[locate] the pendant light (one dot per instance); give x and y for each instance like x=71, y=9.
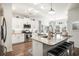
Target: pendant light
x=52, y=11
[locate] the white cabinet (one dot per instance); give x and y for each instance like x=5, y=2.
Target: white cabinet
x=37, y=48
x=40, y=49
x=17, y=38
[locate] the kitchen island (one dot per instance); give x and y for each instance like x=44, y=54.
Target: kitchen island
x=40, y=44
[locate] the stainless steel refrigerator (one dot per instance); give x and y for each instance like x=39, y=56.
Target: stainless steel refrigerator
x=3, y=35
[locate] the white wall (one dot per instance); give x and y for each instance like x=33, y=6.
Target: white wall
x=51, y=18
x=54, y=17
x=73, y=15
x=7, y=12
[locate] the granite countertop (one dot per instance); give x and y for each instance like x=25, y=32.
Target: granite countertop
x=52, y=41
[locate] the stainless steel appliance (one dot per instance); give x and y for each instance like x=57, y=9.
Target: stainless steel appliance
x=27, y=35
x=3, y=35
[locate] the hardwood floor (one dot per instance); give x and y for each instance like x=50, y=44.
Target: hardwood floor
x=76, y=52
x=22, y=49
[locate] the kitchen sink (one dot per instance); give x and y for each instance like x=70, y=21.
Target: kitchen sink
x=43, y=35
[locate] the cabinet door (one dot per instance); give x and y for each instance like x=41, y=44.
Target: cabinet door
x=14, y=39
x=20, y=38
x=37, y=48
x=17, y=38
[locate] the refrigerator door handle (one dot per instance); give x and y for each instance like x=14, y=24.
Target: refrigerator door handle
x=4, y=30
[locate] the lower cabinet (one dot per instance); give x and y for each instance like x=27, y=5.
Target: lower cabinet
x=17, y=38
x=39, y=49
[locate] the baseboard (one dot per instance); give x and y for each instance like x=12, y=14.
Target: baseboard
x=18, y=43
x=21, y=42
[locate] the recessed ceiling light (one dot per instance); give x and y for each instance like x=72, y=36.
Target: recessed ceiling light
x=42, y=7
x=26, y=11
x=36, y=11
x=30, y=9
x=13, y=8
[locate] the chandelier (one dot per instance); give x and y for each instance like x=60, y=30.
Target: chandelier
x=51, y=11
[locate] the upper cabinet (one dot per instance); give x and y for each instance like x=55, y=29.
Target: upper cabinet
x=18, y=24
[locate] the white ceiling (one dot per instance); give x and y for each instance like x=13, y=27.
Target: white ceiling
x=74, y=5
x=41, y=9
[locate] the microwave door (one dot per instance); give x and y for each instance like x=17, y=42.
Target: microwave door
x=3, y=30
